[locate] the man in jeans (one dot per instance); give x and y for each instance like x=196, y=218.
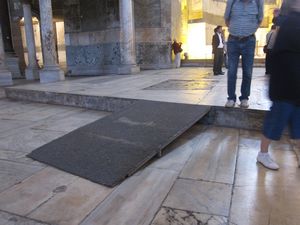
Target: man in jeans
x=243, y=18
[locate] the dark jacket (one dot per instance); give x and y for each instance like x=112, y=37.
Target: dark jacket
x=176, y=47
x=285, y=63
x=215, y=43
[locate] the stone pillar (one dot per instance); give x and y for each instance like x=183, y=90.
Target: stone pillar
x=51, y=71
x=32, y=70
x=127, y=38
x=5, y=74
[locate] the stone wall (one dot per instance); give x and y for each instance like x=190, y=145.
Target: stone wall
x=93, y=35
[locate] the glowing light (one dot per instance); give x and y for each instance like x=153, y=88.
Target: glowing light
x=196, y=43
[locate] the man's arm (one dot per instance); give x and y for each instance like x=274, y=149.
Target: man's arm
x=260, y=16
x=228, y=11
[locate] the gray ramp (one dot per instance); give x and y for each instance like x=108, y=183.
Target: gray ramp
x=110, y=149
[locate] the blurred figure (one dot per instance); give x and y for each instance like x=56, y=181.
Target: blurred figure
x=284, y=88
x=218, y=50
x=270, y=40
x=243, y=18
x=176, y=47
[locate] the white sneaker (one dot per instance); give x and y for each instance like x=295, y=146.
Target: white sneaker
x=266, y=160
x=230, y=104
x=244, y=104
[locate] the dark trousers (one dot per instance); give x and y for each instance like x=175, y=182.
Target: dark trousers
x=268, y=61
x=218, y=60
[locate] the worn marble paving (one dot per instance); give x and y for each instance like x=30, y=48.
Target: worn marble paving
x=136, y=201
x=133, y=87
x=155, y=195
x=12, y=173
x=214, y=156
x=11, y=219
x=200, y=196
x=168, y=216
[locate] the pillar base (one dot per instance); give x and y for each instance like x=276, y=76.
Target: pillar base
x=5, y=78
x=128, y=69
x=32, y=73
x=51, y=74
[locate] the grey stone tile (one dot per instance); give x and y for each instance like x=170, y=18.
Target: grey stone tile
x=135, y=201
x=214, y=157
x=200, y=196
x=36, y=114
x=168, y=216
x=8, y=125
x=26, y=140
x=265, y=204
x=19, y=157
x=73, y=204
x=177, y=153
x=30, y=194
x=12, y=173
x=10, y=219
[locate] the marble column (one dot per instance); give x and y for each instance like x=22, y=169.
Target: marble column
x=32, y=70
x=5, y=74
x=127, y=38
x=51, y=71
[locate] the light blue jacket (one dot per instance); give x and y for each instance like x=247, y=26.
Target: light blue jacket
x=244, y=18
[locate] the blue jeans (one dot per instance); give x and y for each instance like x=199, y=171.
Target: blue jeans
x=281, y=115
x=235, y=49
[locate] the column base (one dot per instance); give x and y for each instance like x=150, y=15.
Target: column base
x=128, y=69
x=32, y=73
x=51, y=74
x=5, y=78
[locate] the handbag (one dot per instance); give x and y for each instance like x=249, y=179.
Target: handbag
x=265, y=48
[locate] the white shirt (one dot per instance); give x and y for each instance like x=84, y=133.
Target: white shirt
x=221, y=45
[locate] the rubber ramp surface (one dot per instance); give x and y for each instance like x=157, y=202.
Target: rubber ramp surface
x=112, y=148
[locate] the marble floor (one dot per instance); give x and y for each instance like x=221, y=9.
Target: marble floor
x=207, y=176
x=183, y=85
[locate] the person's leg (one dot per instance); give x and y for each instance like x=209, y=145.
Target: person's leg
x=295, y=131
x=233, y=51
x=248, y=48
x=220, y=60
x=275, y=122
x=215, y=69
x=267, y=64
x=177, y=60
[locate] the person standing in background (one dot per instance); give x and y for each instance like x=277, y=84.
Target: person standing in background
x=243, y=17
x=176, y=47
x=218, y=50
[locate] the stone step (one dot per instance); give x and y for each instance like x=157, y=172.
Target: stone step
x=250, y=119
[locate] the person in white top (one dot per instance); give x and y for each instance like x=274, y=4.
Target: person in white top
x=218, y=50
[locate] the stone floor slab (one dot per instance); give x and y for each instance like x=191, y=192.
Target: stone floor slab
x=214, y=157
x=10, y=219
x=265, y=205
x=73, y=204
x=250, y=173
x=27, y=196
x=176, y=154
x=26, y=140
x=168, y=216
x=136, y=201
x=12, y=173
x=200, y=196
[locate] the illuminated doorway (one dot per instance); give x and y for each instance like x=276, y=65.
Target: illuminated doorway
x=200, y=17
